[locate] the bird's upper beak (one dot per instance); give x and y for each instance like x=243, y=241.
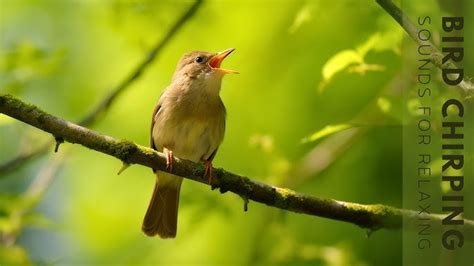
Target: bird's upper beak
x=216, y=60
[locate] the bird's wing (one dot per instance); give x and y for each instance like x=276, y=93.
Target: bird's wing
x=156, y=111
x=220, y=136
x=211, y=157
x=153, y=118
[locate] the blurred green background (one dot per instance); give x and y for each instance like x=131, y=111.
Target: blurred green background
x=317, y=108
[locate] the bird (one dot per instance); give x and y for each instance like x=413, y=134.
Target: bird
x=187, y=122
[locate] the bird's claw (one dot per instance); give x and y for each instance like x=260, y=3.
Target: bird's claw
x=208, y=171
x=169, y=160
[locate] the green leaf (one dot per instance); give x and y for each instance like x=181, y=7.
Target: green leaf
x=6, y=225
x=366, y=47
x=339, y=62
x=388, y=39
x=384, y=104
x=302, y=16
x=326, y=131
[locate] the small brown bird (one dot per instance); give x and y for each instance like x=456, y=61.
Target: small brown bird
x=188, y=122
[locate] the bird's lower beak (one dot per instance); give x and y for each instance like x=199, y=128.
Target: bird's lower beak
x=215, y=62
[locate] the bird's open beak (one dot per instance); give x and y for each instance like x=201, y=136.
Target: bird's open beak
x=215, y=62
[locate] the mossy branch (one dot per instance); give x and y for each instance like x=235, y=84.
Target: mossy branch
x=371, y=217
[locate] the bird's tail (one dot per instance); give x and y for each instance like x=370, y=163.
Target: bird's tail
x=161, y=218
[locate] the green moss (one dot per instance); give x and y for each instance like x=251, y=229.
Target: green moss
x=198, y=170
x=247, y=184
x=3, y=99
x=29, y=108
x=124, y=149
x=219, y=173
x=14, y=103
x=41, y=118
x=381, y=210
x=148, y=151
x=382, y=216
x=220, y=181
x=223, y=180
x=355, y=207
x=281, y=197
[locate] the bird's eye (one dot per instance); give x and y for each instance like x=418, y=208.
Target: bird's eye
x=199, y=59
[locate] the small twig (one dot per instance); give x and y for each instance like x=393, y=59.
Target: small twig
x=410, y=28
x=23, y=157
x=33, y=194
x=59, y=141
x=371, y=217
x=108, y=100
x=123, y=168
x=246, y=203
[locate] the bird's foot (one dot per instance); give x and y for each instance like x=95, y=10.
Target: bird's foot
x=208, y=170
x=169, y=159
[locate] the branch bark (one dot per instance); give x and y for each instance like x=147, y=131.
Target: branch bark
x=372, y=217
x=94, y=114
x=410, y=28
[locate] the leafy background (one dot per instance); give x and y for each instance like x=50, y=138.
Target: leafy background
x=317, y=107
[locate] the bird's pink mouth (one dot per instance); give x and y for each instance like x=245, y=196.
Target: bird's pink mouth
x=215, y=62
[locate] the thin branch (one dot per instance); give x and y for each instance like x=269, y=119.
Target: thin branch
x=372, y=217
x=107, y=101
x=31, y=197
x=97, y=112
x=436, y=56
x=23, y=157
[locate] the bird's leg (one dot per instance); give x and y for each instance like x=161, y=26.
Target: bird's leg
x=208, y=170
x=169, y=159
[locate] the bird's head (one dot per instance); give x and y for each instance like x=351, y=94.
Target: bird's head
x=203, y=66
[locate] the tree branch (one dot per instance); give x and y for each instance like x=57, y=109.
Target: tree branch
x=107, y=101
x=94, y=114
x=410, y=28
x=372, y=217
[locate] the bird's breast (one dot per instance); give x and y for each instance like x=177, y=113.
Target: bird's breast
x=192, y=134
